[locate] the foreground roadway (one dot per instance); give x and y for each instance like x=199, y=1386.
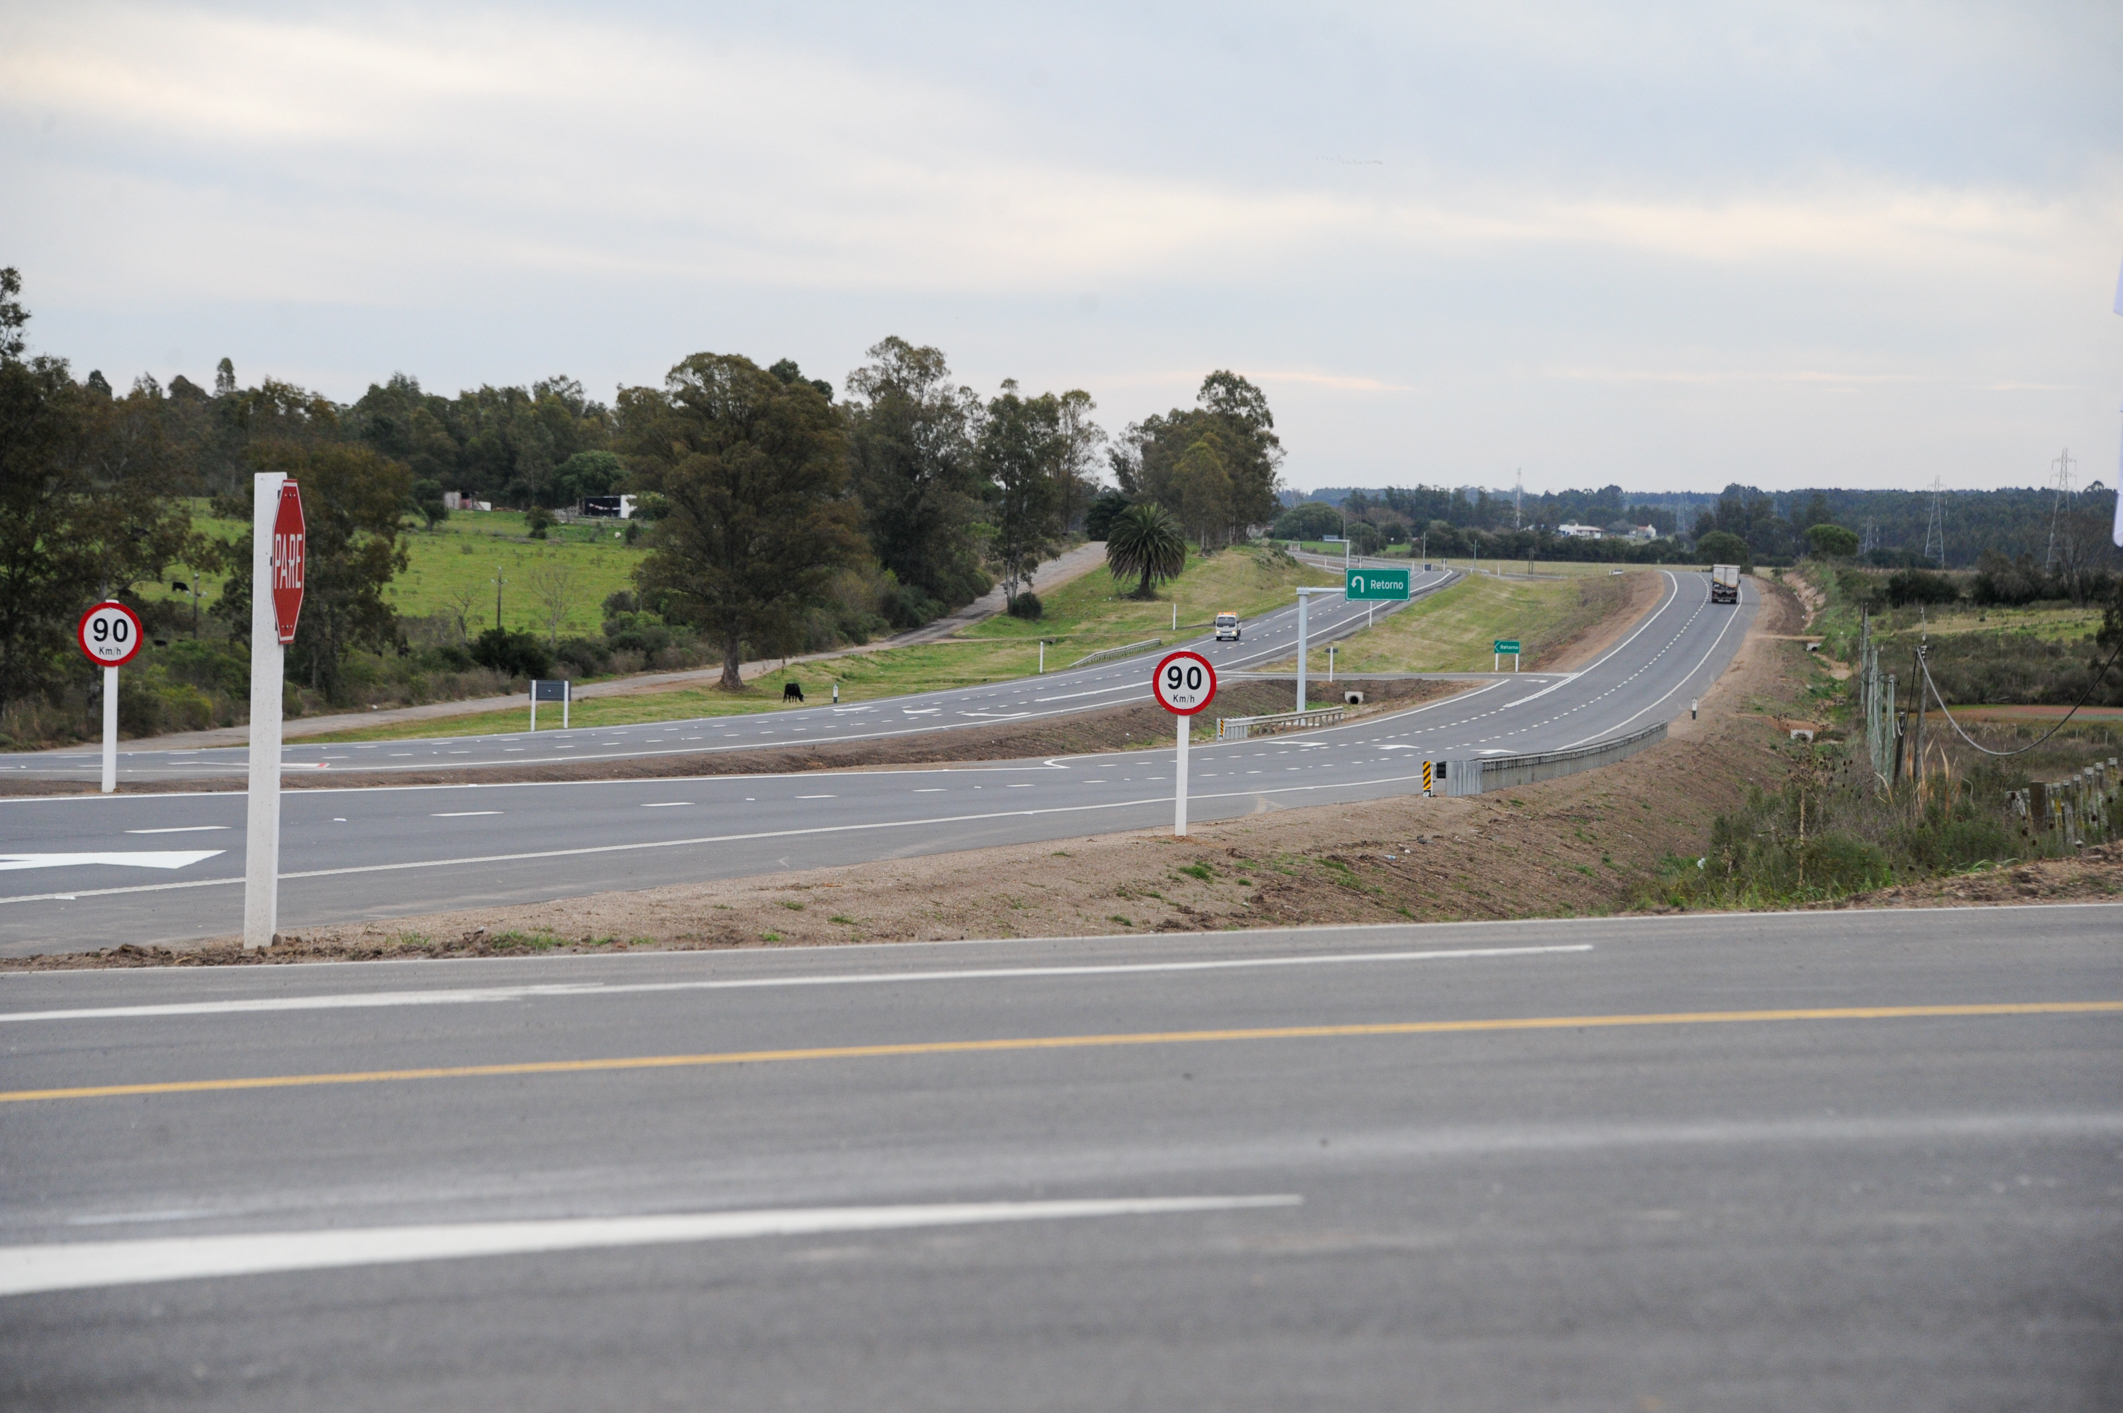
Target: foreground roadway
x=98, y=870
x=1821, y=1161
x=94, y=870
x=1063, y=692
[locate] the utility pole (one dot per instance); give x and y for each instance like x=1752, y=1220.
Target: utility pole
x=1935, y=530
x=498, y=582
x=2062, y=482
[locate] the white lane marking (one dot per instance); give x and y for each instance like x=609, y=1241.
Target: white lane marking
x=666, y=804
x=84, y=1265
x=1097, y=692
x=142, y=859
x=477, y=995
x=180, y=829
x=818, y=797
x=462, y=814
x=1400, y=748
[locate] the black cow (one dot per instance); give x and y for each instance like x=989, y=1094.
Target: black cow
x=791, y=692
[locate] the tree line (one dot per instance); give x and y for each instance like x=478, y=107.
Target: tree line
x=766, y=500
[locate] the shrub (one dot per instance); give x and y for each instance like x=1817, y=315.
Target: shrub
x=1908, y=586
x=515, y=654
x=587, y=657
x=1026, y=605
x=537, y=520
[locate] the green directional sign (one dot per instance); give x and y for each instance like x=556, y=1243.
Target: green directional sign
x=1507, y=645
x=1378, y=584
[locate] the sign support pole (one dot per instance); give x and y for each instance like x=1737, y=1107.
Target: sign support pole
x=261, y=850
x=110, y=730
x=1303, y=599
x=1179, y=790
x=567, y=699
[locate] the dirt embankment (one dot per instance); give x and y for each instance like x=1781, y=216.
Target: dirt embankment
x=1580, y=845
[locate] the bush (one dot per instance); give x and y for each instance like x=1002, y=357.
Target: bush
x=514, y=654
x=1026, y=605
x=587, y=657
x=642, y=633
x=537, y=520
x=1908, y=586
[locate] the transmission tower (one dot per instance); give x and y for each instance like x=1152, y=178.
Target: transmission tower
x=1518, y=499
x=1935, y=530
x=1869, y=539
x=2062, y=482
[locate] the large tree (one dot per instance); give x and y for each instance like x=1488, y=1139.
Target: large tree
x=752, y=472
x=1230, y=427
x=352, y=500
x=911, y=449
x=87, y=505
x=1022, y=457
x=1145, y=541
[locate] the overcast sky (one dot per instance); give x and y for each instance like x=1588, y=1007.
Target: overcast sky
x=1670, y=246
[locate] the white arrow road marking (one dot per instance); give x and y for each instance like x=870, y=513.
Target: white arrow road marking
x=81, y=1265
x=171, y=858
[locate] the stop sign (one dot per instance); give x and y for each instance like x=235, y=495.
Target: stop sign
x=289, y=533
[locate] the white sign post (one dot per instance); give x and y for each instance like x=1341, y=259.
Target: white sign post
x=109, y=635
x=278, y=535
x=1185, y=683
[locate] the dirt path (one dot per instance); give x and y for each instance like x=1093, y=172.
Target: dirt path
x=1585, y=844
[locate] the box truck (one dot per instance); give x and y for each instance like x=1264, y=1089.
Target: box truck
x=1725, y=583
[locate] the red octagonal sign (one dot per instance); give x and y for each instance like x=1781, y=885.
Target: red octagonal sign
x=290, y=532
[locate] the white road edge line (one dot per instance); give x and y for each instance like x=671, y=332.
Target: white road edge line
x=85, y=1265
x=542, y=991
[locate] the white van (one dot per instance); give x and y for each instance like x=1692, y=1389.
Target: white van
x=1227, y=627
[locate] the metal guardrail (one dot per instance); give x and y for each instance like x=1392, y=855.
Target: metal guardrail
x=1239, y=728
x=1128, y=650
x=1473, y=777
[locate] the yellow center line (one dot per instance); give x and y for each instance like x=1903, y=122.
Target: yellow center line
x=1064, y=1042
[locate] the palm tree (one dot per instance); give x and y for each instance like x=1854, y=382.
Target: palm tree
x=1144, y=539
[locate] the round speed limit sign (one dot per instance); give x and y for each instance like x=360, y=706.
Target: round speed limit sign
x=1185, y=683
x=110, y=634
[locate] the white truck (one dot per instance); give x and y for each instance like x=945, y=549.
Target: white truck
x=1227, y=627
x=1724, y=583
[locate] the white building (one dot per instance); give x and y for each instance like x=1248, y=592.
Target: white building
x=1578, y=532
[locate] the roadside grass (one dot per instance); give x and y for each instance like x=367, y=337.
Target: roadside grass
x=1081, y=617
x=464, y=554
x=1451, y=630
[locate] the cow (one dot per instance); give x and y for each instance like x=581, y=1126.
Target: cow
x=792, y=692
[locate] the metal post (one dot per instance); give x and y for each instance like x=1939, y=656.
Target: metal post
x=110, y=730
x=534, y=703
x=836, y=685
x=1302, y=600
x=567, y=699
x=261, y=845
x=1042, y=666
x=1179, y=781
x=1330, y=663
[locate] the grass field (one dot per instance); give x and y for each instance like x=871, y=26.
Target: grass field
x=1451, y=631
x=1081, y=617
x=454, y=566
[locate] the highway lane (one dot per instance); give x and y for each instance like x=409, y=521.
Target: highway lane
x=1826, y=1160
x=97, y=870
x=1058, y=693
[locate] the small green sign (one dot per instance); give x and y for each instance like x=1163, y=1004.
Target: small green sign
x=1378, y=584
x=1507, y=645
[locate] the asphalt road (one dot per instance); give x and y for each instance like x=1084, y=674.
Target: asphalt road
x=98, y=870
x=1819, y=1161
x=1058, y=693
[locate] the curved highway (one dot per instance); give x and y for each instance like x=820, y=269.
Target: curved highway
x=1267, y=639
x=100, y=869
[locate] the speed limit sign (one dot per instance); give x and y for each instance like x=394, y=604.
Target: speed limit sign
x=110, y=634
x=1185, y=683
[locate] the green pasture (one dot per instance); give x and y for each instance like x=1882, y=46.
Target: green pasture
x=1451, y=630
